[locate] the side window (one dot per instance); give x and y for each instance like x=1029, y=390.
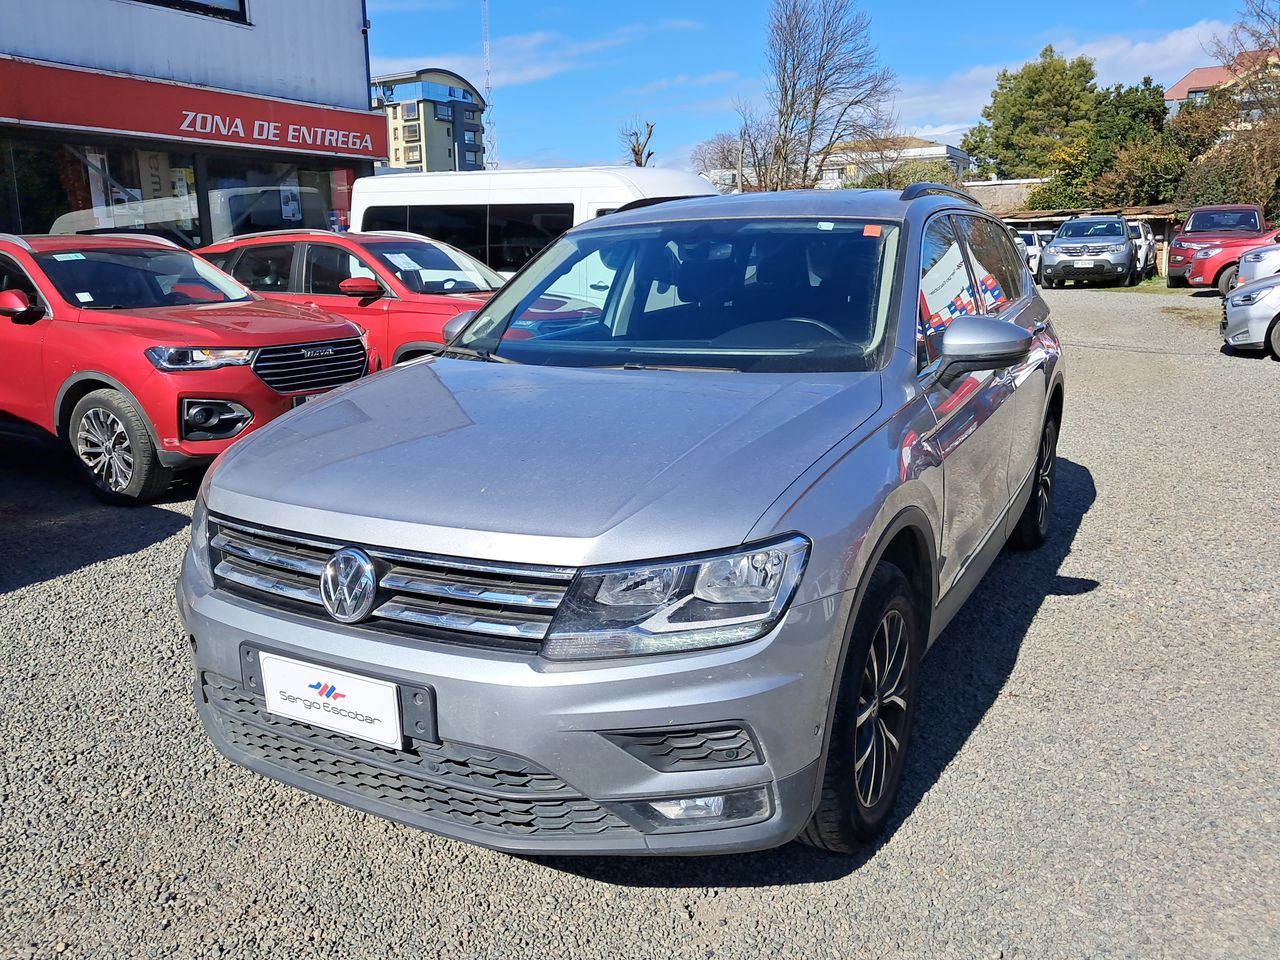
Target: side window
x=518, y=231
x=945, y=290
x=220, y=260
x=266, y=267
x=327, y=266
x=385, y=218
x=997, y=268
x=587, y=283
x=464, y=227
x=12, y=277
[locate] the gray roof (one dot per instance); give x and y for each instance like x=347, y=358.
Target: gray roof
x=871, y=204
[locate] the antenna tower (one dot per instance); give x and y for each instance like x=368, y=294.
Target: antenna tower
x=490, y=133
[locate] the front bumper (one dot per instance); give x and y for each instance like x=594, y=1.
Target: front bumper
x=1178, y=271
x=523, y=755
x=1099, y=267
x=1245, y=328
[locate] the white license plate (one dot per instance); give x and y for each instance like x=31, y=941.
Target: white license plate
x=1084, y=263
x=299, y=401
x=357, y=706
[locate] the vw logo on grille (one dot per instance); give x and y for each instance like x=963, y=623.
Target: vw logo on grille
x=348, y=585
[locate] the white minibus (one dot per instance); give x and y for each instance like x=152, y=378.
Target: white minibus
x=504, y=217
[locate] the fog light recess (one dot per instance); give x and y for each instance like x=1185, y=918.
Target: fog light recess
x=213, y=419
x=717, y=809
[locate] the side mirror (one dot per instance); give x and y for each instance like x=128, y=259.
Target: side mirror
x=457, y=324
x=974, y=343
x=15, y=305
x=363, y=287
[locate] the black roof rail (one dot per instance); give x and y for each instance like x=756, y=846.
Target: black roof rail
x=647, y=202
x=917, y=190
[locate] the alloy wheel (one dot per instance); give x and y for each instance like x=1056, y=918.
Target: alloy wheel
x=881, y=724
x=103, y=446
x=1045, y=464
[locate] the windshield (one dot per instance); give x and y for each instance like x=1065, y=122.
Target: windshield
x=768, y=295
x=426, y=267
x=134, y=278
x=1135, y=231
x=1206, y=221
x=1028, y=238
x=1081, y=229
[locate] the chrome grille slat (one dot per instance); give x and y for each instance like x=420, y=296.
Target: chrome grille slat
x=287, y=369
x=406, y=610
x=279, y=584
x=262, y=554
x=420, y=595
x=474, y=590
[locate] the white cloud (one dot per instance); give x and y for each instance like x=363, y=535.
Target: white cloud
x=528, y=57
x=681, y=81
x=946, y=109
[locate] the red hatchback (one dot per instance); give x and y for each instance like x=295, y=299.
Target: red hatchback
x=399, y=287
x=144, y=359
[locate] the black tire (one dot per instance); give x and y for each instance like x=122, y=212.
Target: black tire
x=1048, y=283
x=843, y=821
x=1273, y=340
x=1172, y=282
x=1227, y=279
x=1037, y=518
x=1134, y=277
x=113, y=450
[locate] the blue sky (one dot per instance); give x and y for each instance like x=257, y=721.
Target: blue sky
x=567, y=74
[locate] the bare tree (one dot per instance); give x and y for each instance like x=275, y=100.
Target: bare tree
x=1249, y=50
x=881, y=152
x=636, y=140
x=718, y=153
x=826, y=86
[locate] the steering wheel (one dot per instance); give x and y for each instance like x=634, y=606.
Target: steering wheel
x=449, y=284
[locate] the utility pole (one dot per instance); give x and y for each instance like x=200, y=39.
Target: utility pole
x=490, y=133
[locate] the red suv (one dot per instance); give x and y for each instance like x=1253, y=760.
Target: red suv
x=144, y=359
x=1213, y=226
x=1218, y=264
x=399, y=287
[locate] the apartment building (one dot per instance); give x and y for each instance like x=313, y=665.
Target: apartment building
x=435, y=120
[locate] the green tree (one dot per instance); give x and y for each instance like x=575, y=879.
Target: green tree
x=1129, y=113
x=1033, y=111
x=1073, y=167
x=1145, y=172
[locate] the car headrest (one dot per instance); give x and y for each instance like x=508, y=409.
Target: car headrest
x=705, y=281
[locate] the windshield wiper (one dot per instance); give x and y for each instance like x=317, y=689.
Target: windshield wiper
x=474, y=354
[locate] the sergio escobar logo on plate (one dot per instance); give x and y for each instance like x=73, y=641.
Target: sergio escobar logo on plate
x=328, y=707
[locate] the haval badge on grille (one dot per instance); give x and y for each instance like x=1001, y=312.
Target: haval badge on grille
x=315, y=353
x=348, y=585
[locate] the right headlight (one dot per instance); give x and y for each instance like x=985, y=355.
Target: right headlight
x=673, y=606
x=1252, y=296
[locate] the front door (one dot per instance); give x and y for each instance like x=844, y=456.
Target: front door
x=1004, y=292
x=324, y=267
x=22, y=386
x=975, y=412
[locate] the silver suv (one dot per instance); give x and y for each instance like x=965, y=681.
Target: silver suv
x=654, y=574
x=1091, y=248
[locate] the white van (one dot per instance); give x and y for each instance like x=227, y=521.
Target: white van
x=504, y=217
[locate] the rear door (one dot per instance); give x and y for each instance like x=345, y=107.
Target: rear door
x=1004, y=291
x=975, y=412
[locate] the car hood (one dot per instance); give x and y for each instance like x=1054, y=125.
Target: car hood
x=256, y=323
x=541, y=464
x=1222, y=238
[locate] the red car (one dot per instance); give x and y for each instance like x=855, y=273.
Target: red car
x=145, y=360
x=1211, y=226
x=399, y=287
x=1218, y=264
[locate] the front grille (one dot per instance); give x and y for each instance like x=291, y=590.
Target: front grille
x=702, y=748
x=310, y=366
x=1084, y=249
x=445, y=781
x=420, y=595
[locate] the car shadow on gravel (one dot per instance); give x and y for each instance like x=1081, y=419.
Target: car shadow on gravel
x=963, y=674
x=51, y=525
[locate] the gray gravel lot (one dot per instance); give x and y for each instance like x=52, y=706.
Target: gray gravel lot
x=1094, y=774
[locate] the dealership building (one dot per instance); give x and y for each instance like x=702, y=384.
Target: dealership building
x=196, y=119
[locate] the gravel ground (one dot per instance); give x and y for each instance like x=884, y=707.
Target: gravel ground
x=1094, y=774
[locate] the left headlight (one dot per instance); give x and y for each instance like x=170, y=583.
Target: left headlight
x=1206, y=253
x=200, y=535
x=678, y=605
x=197, y=358
x=1252, y=296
